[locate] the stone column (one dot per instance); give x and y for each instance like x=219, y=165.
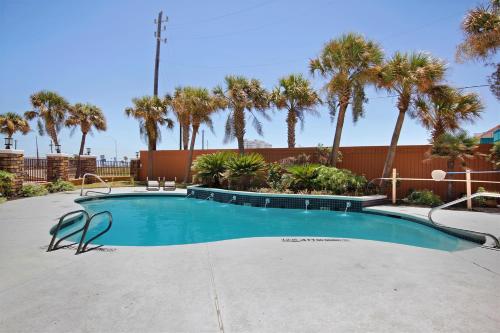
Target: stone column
x=135, y=167
x=13, y=161
x=57, y=167
x=88, y=164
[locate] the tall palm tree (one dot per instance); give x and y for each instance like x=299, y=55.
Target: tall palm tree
x=50, y=109
x=201, y=105
x=481, y=28
x=349, y=62
x=177, y=102
x=151, y=112
x=406, y=75
x=443, y=108
x=295, y=94
x=87, y=117
x=453, y=148
x=11, y=122
x=242, y=94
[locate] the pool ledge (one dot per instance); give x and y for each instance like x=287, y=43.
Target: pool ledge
x=130, y=194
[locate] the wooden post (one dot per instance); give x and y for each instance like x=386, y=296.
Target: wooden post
x=394, y=186
x=468, y=185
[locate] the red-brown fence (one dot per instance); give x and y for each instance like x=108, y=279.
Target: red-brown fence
x=35, y=169
x=410, y=161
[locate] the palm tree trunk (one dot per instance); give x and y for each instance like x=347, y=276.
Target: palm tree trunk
x=239, y=129
x=291, y=121
x=190, y=154
x=391, y=153
x=449, y=192
x=338, y=133
x=82, y=146
x=185, y=136
x=53, y=135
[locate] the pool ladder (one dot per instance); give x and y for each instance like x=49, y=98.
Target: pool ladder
x=496, y=242
x=82, y=245
x=91, y=191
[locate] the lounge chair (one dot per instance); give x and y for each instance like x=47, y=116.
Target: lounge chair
x=169, y=185
x=152, y=185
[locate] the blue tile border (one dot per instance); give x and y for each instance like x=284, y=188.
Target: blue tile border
x=291, y=201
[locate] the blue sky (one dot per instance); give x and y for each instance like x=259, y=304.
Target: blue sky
x=102, y=52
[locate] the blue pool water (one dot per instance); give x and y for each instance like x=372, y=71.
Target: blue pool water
x=161, y=220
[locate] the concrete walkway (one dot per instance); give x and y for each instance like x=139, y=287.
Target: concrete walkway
x=246, y=285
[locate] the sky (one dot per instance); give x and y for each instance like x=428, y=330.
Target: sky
x=102, y=52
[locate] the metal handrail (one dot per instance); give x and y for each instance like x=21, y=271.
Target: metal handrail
x=91, y=191
x=53, y=246
x=451, y=203
x=83, y=247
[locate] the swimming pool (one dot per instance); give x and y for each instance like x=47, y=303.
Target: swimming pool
x=171, y=220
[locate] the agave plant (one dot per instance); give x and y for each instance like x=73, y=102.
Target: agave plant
x=242, y=171
x=209, y=168
x=303, y=177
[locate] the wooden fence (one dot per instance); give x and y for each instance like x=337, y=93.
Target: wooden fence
x=410, y=162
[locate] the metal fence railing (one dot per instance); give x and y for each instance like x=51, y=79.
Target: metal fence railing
x=35, y=169
x=112, y=168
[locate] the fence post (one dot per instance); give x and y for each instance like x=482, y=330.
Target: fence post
x=57, y=167
x=468, y=185
x=13, y=161
x=394, y=194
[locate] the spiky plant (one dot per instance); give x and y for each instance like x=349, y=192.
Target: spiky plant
x=11, y=122
x=151, y=112
x=406, y=75
x=243, y=96
x=87, y=117
x=50, y=109
x=295, y=94
x=349, y=62
x=453, y=147
x=443, y=108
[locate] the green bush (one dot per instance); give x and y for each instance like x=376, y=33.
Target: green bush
x=60, y=186
x=6, y=182
x=494, y=156
x=340, y=181
x=209, y=169
x=303, y=177
x=33, y=190
x=275, y=173
x=243, y=171
x=424, y=198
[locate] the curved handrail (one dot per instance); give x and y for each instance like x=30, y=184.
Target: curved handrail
x=451, y=203
x=90, y=191
x=53, y=246
x=83, y=247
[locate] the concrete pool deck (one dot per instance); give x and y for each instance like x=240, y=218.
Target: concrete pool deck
x=244, y=285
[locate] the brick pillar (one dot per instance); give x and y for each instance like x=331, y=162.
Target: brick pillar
x=57, y=167
x=135, y=167
x=88, y=164
x=13, y=161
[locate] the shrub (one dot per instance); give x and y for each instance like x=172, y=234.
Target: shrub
x=424, y=198
x=33, y=190
x=323, y=154
x=274, y=175
x=494, y=156
x=209, y=169
x=6, y=182
x=60, y=186
x=303, y=177
x=243, y=171
x=295, y=160
x=340, y=181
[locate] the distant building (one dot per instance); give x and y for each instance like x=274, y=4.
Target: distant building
x=490, y=136
x=256, y=144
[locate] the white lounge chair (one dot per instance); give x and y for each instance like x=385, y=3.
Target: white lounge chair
x=152, y=185
x=169, y=185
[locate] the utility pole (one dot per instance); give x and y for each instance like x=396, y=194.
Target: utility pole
x=159, y=40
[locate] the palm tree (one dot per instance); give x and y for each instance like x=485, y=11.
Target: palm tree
x=51, y=108
x=481, y=28
x=11, y=123
x=349, y=62
x=200, y=105
x=178, y=104
x=406, y=75
x=242, y=94
x=151, y=112
x=443, y=108
x=453, y=148
x=87, y=116
x=295, y=94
